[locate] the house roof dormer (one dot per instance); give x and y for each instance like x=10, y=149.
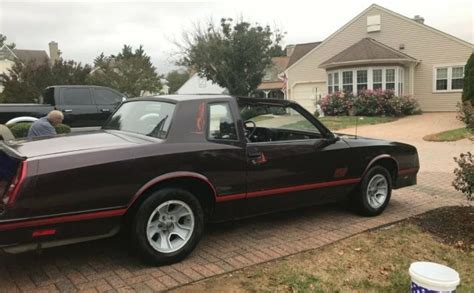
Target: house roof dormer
x=367, y=51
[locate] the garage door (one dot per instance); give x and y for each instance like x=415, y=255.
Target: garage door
x=306, y=94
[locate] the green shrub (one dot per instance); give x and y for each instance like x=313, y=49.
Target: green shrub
x=464, y=180
x=62, y=129
x=337, y=104
x=468, y=83
x=384, y=103
x=466, y=114
x=20, y=130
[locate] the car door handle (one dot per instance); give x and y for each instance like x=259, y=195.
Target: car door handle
x=67, y=111
x=105, y=110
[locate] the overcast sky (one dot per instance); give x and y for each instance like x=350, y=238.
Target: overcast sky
x=84, y=29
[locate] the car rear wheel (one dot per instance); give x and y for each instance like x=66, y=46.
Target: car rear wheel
x=167, y=226
x=373, y=195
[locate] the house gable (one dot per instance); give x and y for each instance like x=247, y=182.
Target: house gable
x=423, y=43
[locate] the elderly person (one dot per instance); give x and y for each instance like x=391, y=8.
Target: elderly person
x=45, y=126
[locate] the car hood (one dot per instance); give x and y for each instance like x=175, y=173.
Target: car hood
x=76, y=142
x=355, y=141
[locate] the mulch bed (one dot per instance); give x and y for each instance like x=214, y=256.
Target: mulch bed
x=452, y=225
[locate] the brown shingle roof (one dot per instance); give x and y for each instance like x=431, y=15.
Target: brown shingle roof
x=367, y=50
x=37, y=56
x=281, y=62
x=270, y=85
x=300, y=50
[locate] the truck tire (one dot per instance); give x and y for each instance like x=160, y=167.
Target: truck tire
x=167, y=226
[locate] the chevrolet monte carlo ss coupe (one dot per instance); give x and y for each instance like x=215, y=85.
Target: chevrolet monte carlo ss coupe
x=161, y=167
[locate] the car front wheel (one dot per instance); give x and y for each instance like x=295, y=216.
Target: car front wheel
x=167, y=226
x=373, y=195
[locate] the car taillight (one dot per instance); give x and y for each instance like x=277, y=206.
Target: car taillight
x=12, y=192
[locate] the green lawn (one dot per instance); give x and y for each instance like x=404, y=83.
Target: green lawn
x=341, y=122
x=450, y=135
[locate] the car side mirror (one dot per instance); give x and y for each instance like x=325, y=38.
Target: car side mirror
x=324, y=142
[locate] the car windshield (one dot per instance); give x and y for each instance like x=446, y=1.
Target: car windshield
x=151, y=118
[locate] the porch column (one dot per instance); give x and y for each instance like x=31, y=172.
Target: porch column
x=412, y=80
x=266, y=94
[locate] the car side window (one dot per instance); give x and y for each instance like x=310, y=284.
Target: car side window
x=106, y=97
x=76, y=96
x=221, y=124
x=270, y=123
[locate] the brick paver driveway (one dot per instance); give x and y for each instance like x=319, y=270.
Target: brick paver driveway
x=106, y=265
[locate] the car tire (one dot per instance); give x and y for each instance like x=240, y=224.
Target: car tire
x=373, y=195
x=167, y=226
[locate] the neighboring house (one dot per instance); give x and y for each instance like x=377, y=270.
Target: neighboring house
x=200, y=85
x=272, y=85
x=381, y=49
x=9, y=56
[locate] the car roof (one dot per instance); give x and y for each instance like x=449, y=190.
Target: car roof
x=210, y=97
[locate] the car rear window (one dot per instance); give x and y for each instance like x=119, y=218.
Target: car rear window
x=150, y=118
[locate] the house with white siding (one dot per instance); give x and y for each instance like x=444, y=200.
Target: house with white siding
x=381, y=49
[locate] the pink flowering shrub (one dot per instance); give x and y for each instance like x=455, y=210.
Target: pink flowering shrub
x=369, y=103
x=337, y=104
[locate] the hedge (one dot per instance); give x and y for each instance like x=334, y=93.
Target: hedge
x=20, y=130
x=369, y=103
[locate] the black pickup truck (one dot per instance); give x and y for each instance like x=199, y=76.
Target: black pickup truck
x=83, y=106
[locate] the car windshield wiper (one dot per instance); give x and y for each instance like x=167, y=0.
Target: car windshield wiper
x=158, y=128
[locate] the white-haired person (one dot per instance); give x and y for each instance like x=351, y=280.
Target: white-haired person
x=45, y=125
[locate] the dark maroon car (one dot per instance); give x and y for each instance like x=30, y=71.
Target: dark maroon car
x=162, y=167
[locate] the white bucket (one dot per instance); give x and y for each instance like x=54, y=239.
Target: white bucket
x=432, y=277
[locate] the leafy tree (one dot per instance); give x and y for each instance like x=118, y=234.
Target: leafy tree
x=468, y=85
x=130, y=72
x=176, y=79
x=234, y=55
x=25, y=81
x=277, y=51
x=3, y=40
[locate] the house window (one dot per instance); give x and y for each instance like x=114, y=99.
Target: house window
x=457, y=78
x=347, y=81
x=390, y=79
x=354, y=80
x=330, y=84
x=448, y=78
x=361, y=80
x=336, y=81
x=441, y=79
x=377, y=79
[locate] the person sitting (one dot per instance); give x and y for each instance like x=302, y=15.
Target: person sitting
x=45, y=125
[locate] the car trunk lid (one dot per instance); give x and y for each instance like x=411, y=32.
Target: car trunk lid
x=76, y=142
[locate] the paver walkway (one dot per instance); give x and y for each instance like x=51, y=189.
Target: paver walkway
x=107, y=265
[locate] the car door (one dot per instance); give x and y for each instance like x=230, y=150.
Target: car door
x=295, y=164
x=106, y=101
x=78, y=108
